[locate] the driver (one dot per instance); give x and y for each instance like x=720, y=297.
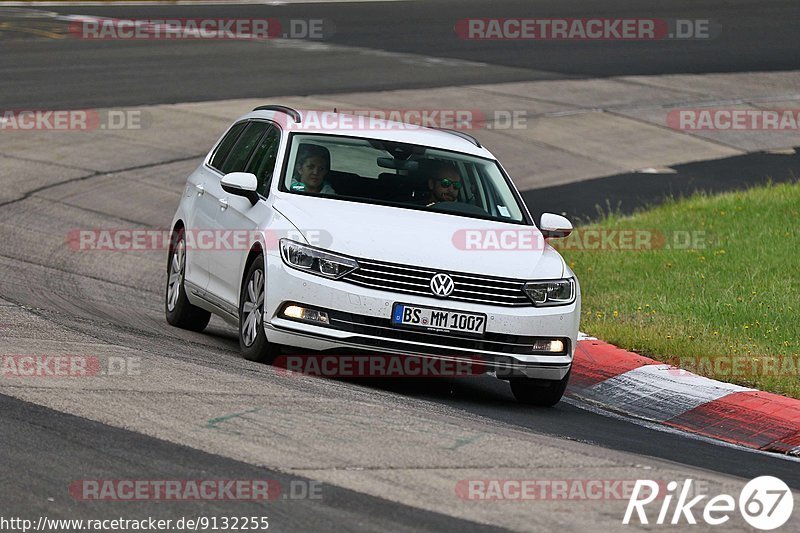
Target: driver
x=313, y=164
x=445, y=186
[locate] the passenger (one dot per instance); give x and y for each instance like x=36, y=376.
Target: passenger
x=445, y=186
x=312, y=165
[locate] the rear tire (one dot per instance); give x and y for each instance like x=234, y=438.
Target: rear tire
x=539, y=392
x=252, y=337
x=179, y=311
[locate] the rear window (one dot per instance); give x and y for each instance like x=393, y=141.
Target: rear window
x=244, y=147
x=225, y=145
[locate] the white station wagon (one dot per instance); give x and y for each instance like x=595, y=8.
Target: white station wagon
x=343, y=234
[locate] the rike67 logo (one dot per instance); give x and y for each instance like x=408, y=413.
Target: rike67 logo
x=765, y=503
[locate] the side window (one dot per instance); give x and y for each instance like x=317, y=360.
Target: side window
x=240, y=153
x=226, y=144
x=262, y=164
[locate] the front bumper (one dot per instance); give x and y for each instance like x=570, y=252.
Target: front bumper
x=360, y=321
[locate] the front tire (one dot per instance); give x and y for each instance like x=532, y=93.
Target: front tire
x=252, y=338
x=179, y=311
x=539, y=392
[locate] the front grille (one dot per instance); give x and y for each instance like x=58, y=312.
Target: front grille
x=416, y=280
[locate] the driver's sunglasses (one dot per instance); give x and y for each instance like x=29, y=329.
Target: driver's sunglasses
x=447, y=183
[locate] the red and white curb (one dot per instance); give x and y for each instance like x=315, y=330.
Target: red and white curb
x=634, y=385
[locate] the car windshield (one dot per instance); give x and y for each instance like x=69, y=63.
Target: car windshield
x=401, y=175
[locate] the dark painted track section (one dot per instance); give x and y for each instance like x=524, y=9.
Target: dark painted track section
x=755, y=36
x=625, y=193
x=54, y=449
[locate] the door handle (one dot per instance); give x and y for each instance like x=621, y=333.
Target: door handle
x=200, y=189
x=223, y=204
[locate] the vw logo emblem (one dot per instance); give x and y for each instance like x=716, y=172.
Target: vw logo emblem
x=442, y=285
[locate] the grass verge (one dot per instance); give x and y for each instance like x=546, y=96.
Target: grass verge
x=708, y=283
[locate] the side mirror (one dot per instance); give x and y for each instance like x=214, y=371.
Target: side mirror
x=241, y=184
x=554, y=226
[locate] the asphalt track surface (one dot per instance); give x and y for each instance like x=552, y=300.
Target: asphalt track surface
x=88, y=448
x=54, y=448
x=70, y=73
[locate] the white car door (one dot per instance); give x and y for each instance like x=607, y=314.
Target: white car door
x=204, y=185
x=256, y=152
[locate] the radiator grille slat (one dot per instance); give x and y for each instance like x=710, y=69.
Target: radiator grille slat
x=416, y=280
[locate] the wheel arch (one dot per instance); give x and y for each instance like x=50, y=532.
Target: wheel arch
x=176, y=227
x=256, y=251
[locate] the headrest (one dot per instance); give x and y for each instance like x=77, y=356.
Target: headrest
x=306, y=150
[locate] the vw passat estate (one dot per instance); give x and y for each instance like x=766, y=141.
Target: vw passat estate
x=343, y=234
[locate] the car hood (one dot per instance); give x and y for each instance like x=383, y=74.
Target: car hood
x=420, y=238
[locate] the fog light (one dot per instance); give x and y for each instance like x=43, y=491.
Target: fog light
x=551, y=345
x=303, y=313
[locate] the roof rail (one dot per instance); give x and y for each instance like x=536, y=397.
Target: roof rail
x=283, y=109
x=465, y=136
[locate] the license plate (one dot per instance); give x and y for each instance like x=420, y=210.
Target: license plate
x=441, y=320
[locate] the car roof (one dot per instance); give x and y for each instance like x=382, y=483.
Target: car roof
x=332, y=123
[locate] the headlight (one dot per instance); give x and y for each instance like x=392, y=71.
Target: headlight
x=555, y=292
x=315, y=261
